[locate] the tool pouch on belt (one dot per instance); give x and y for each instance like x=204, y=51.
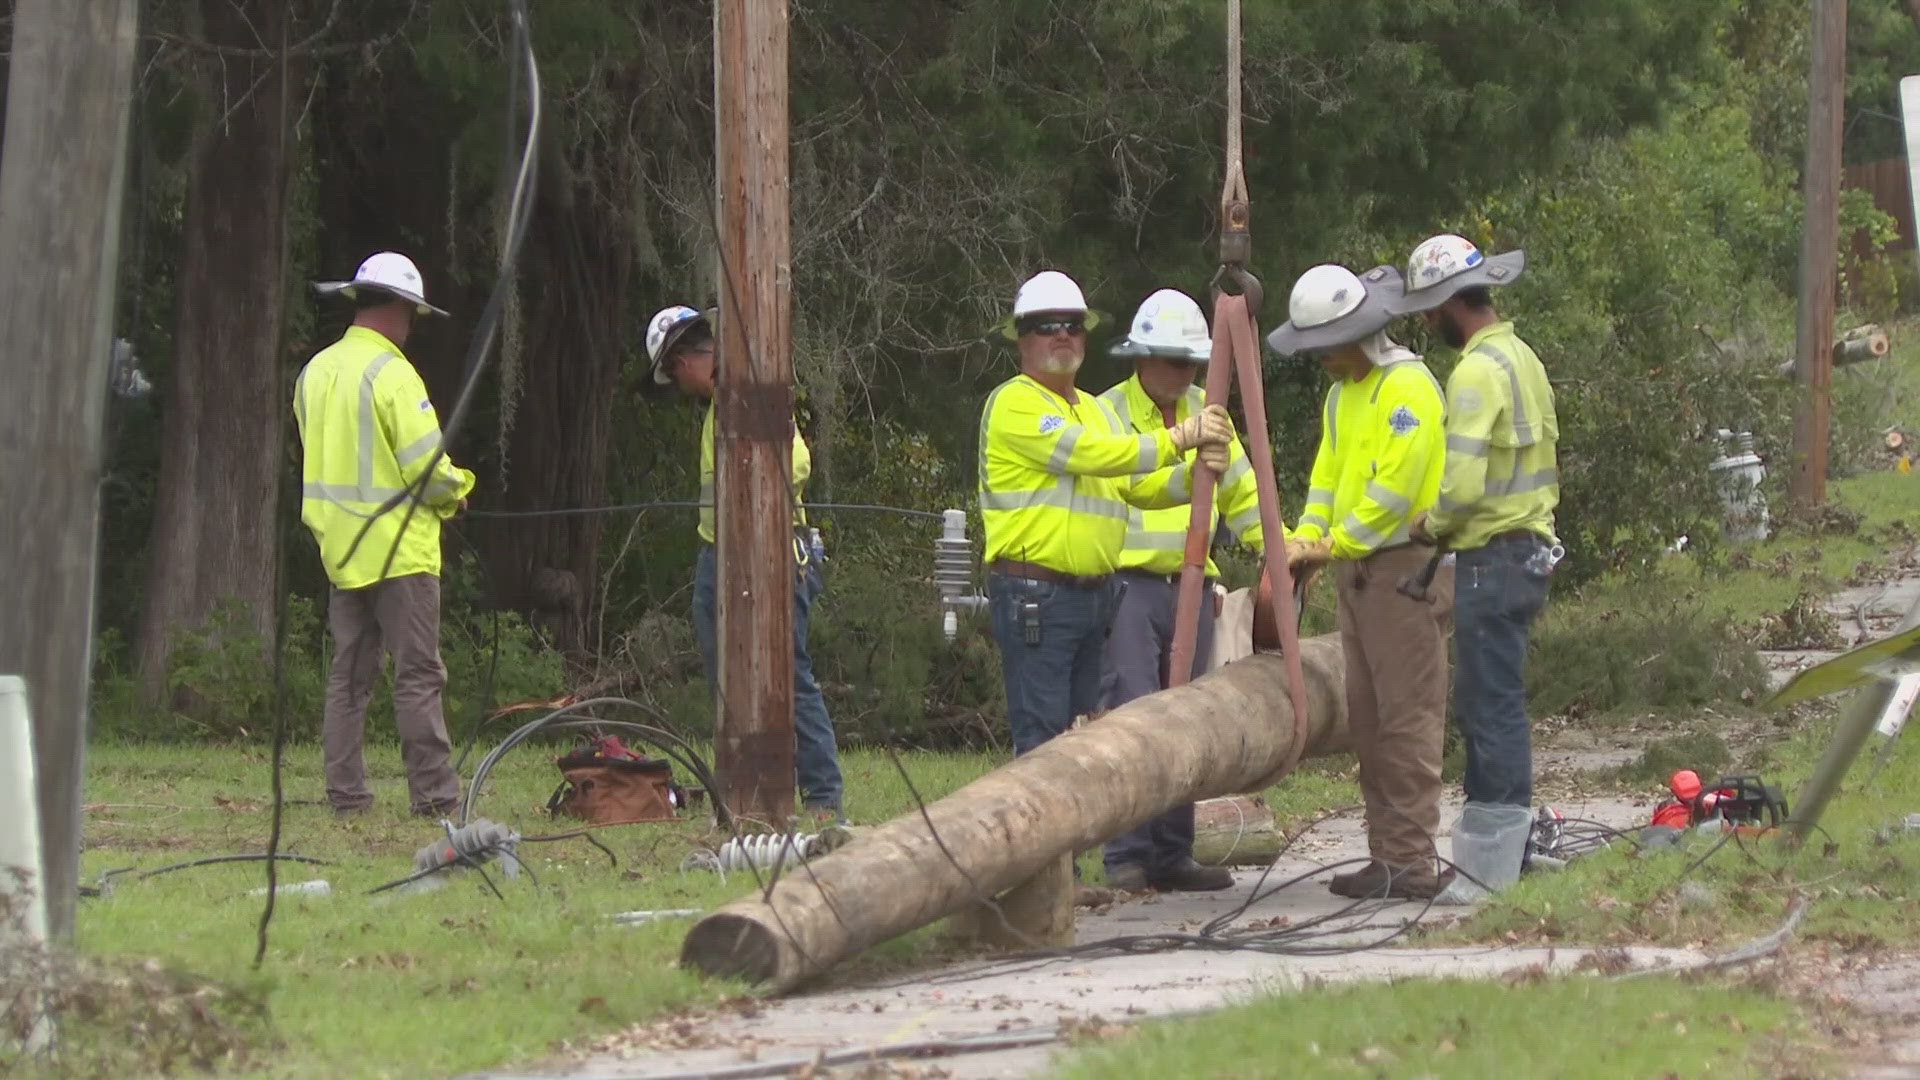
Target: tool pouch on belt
x=607, y=791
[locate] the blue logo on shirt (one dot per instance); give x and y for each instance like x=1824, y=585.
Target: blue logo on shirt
x=1051, y=423
x=1402, y=420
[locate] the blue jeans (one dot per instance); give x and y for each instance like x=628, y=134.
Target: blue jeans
x=1057, y=677
x=816, y=760
x=1496, y=597
x=1139, y=662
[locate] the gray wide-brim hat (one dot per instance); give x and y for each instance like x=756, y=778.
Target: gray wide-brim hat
x=1493, y=270
x=1375, y=311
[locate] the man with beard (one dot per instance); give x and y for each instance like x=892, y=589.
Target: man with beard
x=1058, y=471
x=1496, y=504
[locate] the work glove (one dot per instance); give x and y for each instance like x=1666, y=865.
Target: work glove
x=1417, y=529
x=1210, y=425
x=1309, y=552
x=1215, y=457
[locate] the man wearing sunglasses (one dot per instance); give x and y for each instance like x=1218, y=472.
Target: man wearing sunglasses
x=1059, y=470
x=1382, y=446
x=680, y=346
x=1169, y=344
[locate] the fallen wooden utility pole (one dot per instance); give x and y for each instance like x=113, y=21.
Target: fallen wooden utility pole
x=61, y=176
x=753, y=455
x=1230, y=731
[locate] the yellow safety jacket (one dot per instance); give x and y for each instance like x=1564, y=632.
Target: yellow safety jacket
x=1156, y=540
x=1503, y=468
x=367, y=429
x=1057, y=477
x=802, y=469
x=1379, y=462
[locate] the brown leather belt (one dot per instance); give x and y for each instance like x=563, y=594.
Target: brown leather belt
x=1036, y=572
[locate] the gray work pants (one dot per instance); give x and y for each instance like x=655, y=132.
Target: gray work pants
x=400, y=616
x=1139, y=651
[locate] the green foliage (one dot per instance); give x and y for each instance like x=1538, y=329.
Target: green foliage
x=221, y=677
x=1652, y=295
x=1702, y=751
x=1652, y=650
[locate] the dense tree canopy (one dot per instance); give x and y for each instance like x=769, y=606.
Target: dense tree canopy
x=1644, y=152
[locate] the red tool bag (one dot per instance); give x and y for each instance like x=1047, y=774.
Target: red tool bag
x=608, y=784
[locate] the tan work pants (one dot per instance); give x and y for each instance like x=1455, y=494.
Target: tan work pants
x=1396, y=651
x=399, y=616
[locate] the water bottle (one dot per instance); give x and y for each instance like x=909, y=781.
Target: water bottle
x=816, y=548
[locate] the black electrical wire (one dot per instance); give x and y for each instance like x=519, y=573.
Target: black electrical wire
x=583, y=834
x=562, y=719
x=519, y=215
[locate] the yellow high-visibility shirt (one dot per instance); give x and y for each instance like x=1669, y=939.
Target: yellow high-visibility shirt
x=1057, y=477
x=802, y=469
x=1503, y=436
x=1381, y=450
x=367, y=430
x=1156, y=540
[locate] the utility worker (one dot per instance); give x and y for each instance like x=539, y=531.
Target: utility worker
x=1382, y=445
x=1496, y=504
x=1169, y=344
x=681, y=349
x=1057, y=474
x=367, y=433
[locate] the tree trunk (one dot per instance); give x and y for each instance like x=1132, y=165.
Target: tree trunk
x=1231, y=731
x=576, y=285
x=215, y=523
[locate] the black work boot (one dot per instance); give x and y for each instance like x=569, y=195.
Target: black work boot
x=1343, y=884
x=1189, y=876
x=1127, y=877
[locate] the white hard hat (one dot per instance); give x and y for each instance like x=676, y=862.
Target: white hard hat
x=664, y=331
x=1331, y=305
x=388, y=272
x=1048, y=290
x=1443, y=265
x=1168, y=324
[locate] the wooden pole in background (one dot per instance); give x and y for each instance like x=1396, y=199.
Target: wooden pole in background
x=1819, y=240
x=753, y=499
x=61, y=176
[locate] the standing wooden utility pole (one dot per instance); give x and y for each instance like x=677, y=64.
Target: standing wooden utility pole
x=753, y=497
x=1819, y=240
x=61, y=177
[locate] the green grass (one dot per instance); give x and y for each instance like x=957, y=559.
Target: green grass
x=453, y=980
x=435, y=983
x=1568, y=1028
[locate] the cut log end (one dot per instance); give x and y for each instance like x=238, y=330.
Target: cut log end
x=732, y=946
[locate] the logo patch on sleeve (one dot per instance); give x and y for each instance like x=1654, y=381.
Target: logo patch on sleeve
x=1402, y=420
x=1051, y=423
x=426, y=404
